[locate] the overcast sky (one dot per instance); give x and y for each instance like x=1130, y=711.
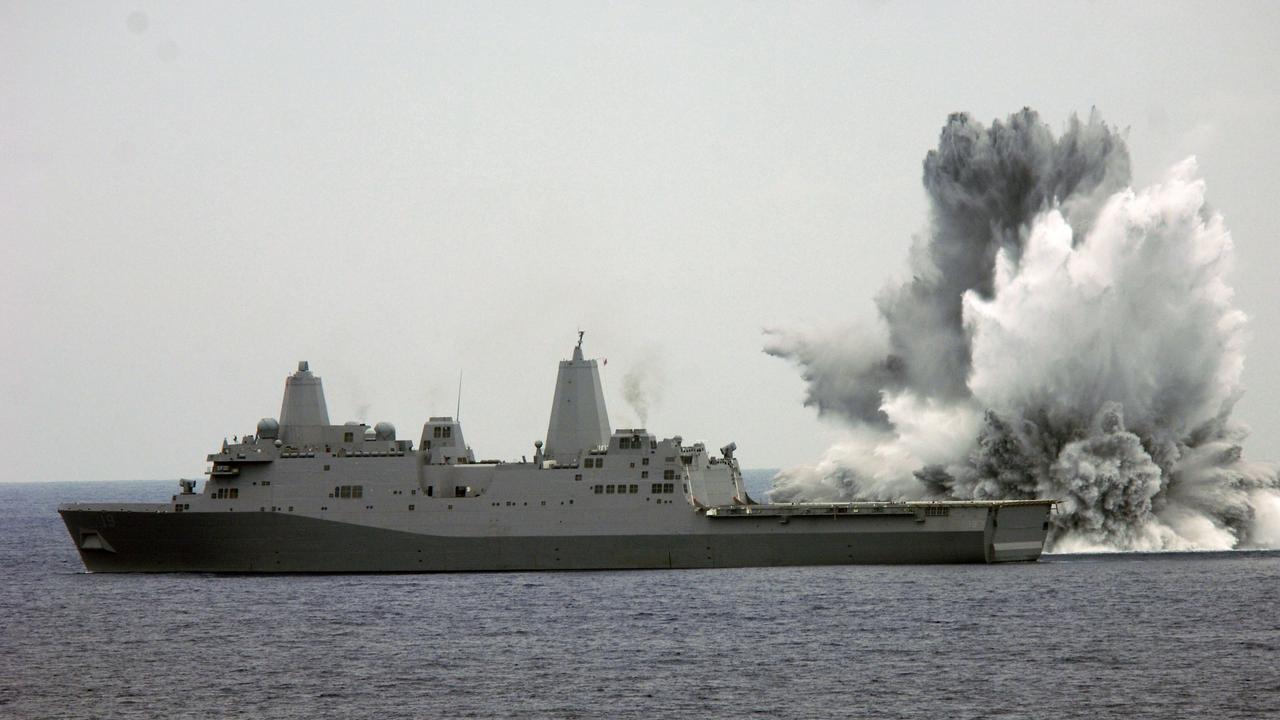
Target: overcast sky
x=194, y=197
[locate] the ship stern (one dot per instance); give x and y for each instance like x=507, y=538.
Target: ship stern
x=1016, y=531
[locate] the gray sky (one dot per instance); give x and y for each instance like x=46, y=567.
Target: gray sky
x=194, y=198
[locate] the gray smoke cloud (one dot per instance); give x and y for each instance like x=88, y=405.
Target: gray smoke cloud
x=984, y=185
x=1062, y=335
x=643, y=386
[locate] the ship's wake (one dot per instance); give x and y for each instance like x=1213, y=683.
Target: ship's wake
x=1063, y=335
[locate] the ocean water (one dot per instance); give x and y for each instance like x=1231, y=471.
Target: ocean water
x=1121, y=636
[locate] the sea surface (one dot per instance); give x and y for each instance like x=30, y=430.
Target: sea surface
x=1101, y=636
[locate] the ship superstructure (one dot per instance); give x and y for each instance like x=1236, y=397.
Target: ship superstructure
x=303, y=495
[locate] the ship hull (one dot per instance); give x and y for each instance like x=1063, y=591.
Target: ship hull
x=146, y=539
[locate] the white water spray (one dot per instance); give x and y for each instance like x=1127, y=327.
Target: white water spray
x=1063, y=336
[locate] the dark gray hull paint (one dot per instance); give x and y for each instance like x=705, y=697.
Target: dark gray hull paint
x=130, y=541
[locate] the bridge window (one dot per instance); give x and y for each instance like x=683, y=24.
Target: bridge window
x=668, y=487
x=348, y=437
x=644, y=474
x=589, y=463
x=668, y=474
x=655, y=488
x=634, y=489
x=598, y=489
x=608, y=489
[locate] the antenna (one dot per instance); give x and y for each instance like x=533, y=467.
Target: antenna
x=580, y=334
x=457, y=415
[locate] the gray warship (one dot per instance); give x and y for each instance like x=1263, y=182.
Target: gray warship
x=303, y=495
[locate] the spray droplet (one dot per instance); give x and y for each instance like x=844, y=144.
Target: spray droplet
x=137, y=22
x=167, y=51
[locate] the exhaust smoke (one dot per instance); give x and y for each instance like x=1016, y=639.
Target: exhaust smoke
x=643, y=386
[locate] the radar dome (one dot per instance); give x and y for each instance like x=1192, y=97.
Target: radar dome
x=268, y=428
x=385, y=431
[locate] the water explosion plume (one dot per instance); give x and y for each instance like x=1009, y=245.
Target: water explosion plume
x=1063, y=335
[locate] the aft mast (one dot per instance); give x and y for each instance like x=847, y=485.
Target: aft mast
x=579, y=420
